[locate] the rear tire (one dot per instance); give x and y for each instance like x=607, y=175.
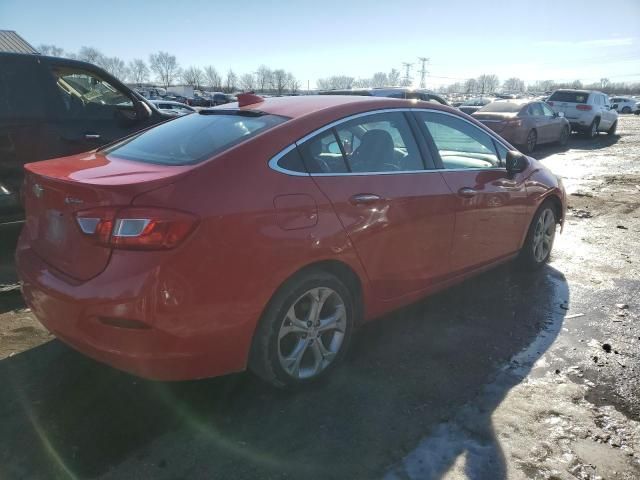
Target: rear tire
x=613, y=128
x=539, y=242
x=564, y=136
x=305, y=331
x=592, y=131
x=532, y=141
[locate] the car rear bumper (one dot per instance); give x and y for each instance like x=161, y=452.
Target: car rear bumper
x=122, y=323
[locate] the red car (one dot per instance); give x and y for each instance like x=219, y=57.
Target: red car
x=259, y=236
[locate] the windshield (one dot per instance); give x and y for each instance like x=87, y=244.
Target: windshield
x=193, y=138
x=502, y=107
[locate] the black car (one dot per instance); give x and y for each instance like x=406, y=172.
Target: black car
x=200, y=102
x=52, y=107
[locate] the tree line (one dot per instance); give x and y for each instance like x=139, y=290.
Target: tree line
x=164, y=69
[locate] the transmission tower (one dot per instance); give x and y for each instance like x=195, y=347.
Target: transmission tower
x=423, y=71
x=407, y=76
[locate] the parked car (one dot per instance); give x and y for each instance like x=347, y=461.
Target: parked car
x=200, y=102
x=525, y=123
x=261, y=236
x=623, y=104
x=172, y=108
x=474, y=104
x=53, y=107
x=391, y=92
x=219, y=98
x=588, y=111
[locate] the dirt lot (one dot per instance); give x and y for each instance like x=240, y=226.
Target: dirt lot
x=509, y=375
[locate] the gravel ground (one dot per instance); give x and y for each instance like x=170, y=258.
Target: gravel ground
x=509, y=375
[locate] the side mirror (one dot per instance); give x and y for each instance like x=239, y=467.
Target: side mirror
x=561, y=114
x=516, y=162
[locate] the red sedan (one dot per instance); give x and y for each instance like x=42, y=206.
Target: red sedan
x=259, y=236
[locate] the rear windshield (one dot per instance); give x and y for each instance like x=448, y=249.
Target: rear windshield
x=501, y=107
x=571, y=97
x=476, y=102
x=193, y=138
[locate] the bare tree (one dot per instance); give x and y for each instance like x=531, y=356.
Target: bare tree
x=456, y=87
x=165, y=67
x=394, y=78
x=213, y=78
x=576, y=84
x=230, y=82
x=138, y=71
x=604, y=83
x=50, y=50
x=263, y=77
x=91, y=55
x=335, y=83
x=380, y=79
x=115, y=66
x=513, y=84
x=487, y=83
x=193, y=76
x=279, y=81
x=293, y=84
x=471, y=86
x=247, y=82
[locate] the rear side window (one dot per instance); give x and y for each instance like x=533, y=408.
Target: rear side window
x=192, y=138
x=570, y=97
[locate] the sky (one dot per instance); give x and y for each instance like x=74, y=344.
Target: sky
x=562, y=40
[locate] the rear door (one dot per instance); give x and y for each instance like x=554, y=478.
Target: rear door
x=541, y=124
x=491, y=206
x=396, y=208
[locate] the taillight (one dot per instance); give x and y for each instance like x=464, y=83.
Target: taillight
x=514, y=122
x=583, y=107
x=144, y=228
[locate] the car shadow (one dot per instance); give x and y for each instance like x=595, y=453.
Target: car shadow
x=408, y=374
x=576, y=142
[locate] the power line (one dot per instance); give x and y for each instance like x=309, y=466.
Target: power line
x=423, y=71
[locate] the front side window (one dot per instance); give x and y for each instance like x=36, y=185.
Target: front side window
x=547, y=111
x=84, y=95
x=459, y=143
x=192, y=139
x=381, y=142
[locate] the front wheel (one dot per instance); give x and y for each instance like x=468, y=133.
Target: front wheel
x=539, y=242
x=304, y=332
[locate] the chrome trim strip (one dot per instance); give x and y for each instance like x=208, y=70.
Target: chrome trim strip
x=273, y=163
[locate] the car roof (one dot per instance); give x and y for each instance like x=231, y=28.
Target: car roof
x=303, y=105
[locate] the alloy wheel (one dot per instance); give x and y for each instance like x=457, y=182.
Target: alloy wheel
x=312, y=333
x=543, y=235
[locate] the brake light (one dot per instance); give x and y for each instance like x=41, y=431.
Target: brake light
x=142, y=228
x=514, y=122
x=583, y=107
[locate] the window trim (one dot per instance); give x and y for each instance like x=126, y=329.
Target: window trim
x=418, y=137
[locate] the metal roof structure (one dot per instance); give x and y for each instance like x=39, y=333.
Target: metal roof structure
x=10, y=41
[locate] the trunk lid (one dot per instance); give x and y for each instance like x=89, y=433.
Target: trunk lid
x=495, y=121
x=567, y=103
x=55, y=190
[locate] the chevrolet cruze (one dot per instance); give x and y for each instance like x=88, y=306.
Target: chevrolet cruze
x=259, y=235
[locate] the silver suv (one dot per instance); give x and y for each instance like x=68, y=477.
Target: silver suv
x=588, y=111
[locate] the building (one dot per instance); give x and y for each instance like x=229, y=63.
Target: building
x=10, y=41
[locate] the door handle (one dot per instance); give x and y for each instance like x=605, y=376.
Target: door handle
x=91, y=136
x=467, y=192
x=364, y=199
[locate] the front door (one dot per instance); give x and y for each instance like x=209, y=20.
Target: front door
x=396, y=209
x=491, y=207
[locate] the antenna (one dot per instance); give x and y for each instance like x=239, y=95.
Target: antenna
x=407, y=76
x=423, y=71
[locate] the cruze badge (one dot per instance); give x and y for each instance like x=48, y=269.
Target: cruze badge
x=73, y=201
x=38, y=190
